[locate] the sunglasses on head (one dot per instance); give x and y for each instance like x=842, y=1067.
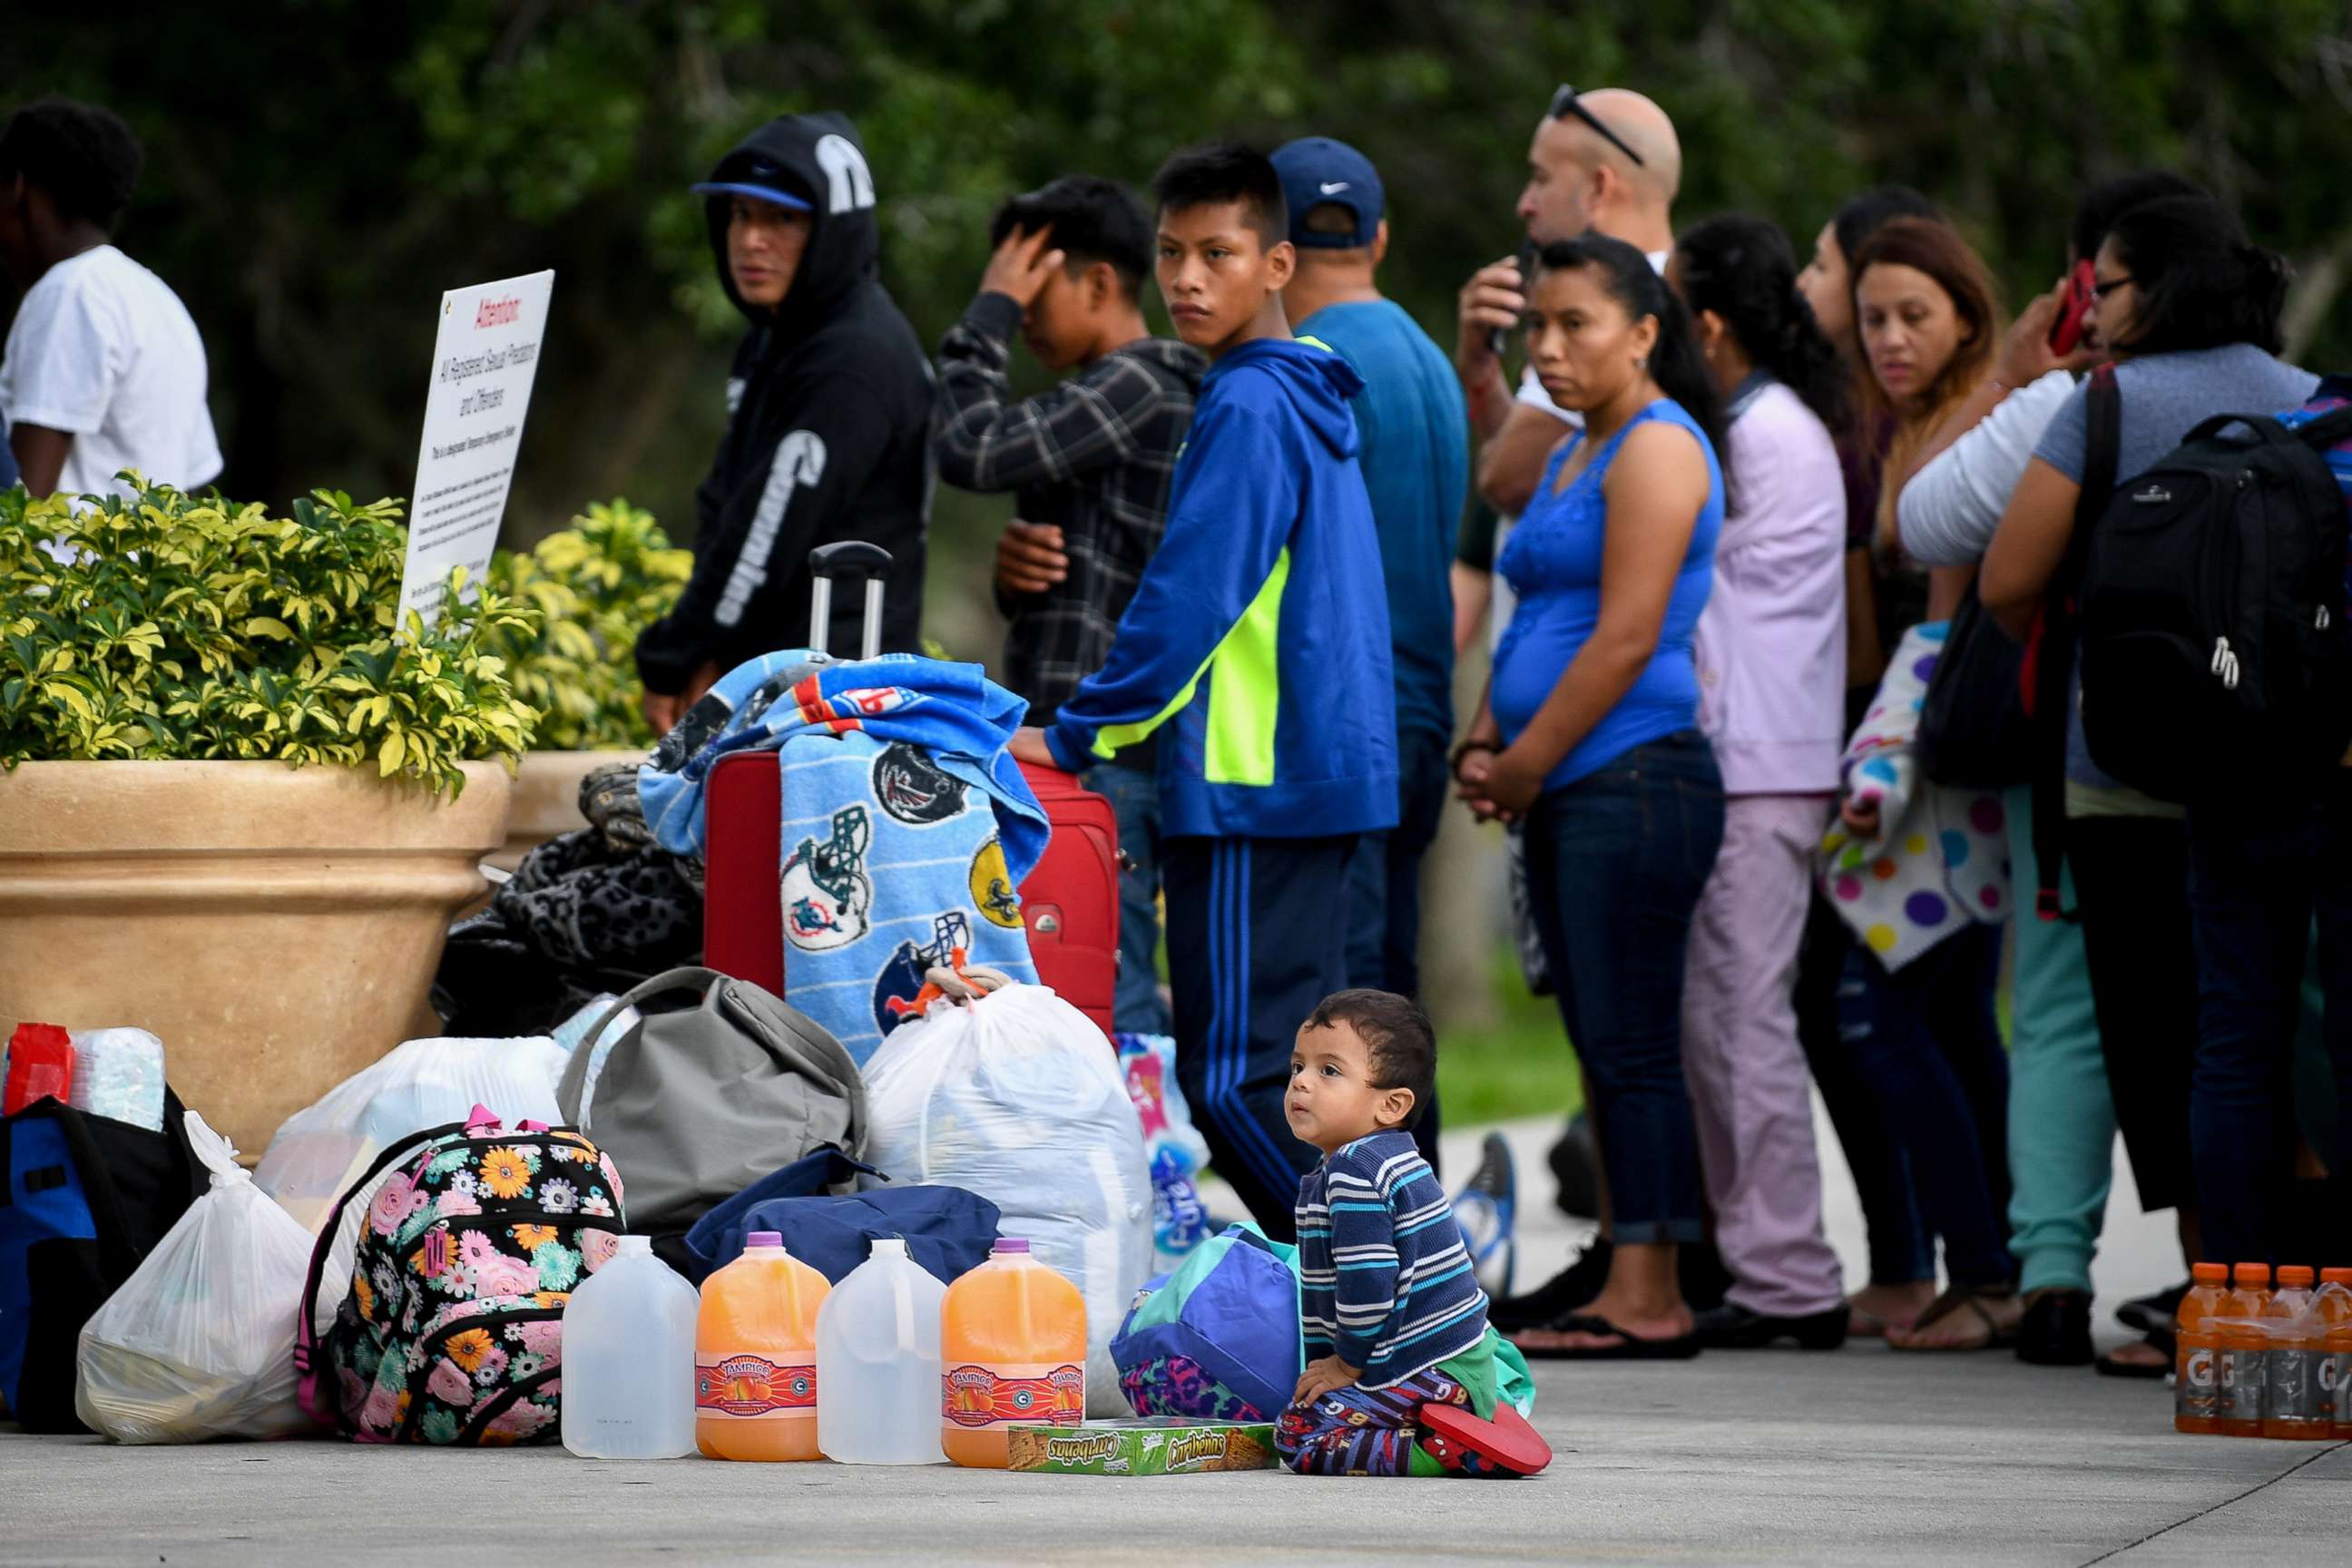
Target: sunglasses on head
x=1564, y=103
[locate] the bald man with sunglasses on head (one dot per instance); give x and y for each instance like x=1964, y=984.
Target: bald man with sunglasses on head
x=1606, y=161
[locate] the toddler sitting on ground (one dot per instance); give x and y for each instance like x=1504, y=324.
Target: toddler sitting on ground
x=1401, y=1365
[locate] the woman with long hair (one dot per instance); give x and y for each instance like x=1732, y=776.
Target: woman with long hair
x=1927, y=323
x=1830, y=974
x=2188, y=917
x=1770, y=659
x=1589, y=734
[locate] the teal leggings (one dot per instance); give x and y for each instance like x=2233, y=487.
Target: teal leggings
x=2062, y=1119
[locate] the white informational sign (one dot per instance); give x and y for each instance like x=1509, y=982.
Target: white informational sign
x=483, y=363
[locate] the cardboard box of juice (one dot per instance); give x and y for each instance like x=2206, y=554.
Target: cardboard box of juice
x=1154, y=1446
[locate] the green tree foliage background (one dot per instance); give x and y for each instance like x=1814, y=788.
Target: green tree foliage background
x=319, y=169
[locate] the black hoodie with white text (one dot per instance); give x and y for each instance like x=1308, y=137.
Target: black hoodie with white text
x=829, y=404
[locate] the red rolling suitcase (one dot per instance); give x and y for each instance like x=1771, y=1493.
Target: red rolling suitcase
x=1070, y=901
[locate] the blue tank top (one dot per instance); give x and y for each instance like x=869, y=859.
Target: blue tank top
x=1552, y=562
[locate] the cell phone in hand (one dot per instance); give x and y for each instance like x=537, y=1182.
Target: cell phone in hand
x=2066, y=332
x=1499, y=338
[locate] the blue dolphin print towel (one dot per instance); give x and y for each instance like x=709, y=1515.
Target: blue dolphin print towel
x=907, y=827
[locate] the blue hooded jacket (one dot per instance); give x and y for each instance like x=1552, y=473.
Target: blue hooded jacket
x=1259, y=634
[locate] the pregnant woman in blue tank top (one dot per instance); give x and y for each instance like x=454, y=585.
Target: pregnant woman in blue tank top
x=1590, y=734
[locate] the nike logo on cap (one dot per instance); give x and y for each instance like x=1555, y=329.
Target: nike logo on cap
x=1333, y=188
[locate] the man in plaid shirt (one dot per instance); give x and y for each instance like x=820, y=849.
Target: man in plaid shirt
x=1089, y=463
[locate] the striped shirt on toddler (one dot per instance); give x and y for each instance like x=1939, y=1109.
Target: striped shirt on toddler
x=1384, y=1282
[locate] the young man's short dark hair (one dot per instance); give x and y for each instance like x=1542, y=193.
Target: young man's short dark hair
x=1092, y=219
x=84, y=156
x=1226, y=171
x=1397, y=1034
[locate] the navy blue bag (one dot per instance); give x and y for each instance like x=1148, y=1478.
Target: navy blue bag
x=947, y=1229
x=86, y=1198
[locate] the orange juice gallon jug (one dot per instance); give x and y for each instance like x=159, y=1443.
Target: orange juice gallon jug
x=1013, y=1350
x=2194, y=1390
x=755, y=1356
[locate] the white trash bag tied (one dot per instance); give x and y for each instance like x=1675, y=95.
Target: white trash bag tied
x=199, y=1341
x=1018, y=1097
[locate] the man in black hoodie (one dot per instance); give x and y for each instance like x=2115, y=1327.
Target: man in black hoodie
x=829, y=407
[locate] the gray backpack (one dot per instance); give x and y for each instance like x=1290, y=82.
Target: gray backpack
x=695, y=1106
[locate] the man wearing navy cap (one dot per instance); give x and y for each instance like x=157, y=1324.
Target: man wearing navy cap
x=828, y=416
x=1416, y=461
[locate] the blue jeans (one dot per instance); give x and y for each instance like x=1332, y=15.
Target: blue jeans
x=1134, y=796
x=1834, y=1009
x=2258, y=874
x=1615, y=864
x=1933, y=1052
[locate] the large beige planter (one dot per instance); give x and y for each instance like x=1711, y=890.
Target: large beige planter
x=547, y=799
x=276, y=927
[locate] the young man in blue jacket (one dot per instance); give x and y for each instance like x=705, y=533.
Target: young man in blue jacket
x=1258, y=638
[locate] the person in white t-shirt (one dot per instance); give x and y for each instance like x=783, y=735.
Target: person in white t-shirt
x=103, y=368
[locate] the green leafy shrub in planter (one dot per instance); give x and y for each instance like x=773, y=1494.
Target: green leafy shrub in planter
x=189, y=627
x=596, y=585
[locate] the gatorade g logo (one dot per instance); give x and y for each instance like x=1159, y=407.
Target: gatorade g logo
x=849, y=185
x=1013, y=1395
x=827, y=895
x=753, y=1387
x=2200, y=1369
x=2331, y=1373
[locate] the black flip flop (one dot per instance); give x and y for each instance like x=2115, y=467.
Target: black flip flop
x=1629, y=1347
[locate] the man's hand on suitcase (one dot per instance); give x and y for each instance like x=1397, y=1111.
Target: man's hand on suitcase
x=1029, y=558
x=1028, y=745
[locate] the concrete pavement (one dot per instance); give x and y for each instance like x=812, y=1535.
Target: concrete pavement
x=1862, y=1456
x=1856, y=1457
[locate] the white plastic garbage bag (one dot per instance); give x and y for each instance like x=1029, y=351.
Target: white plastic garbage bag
x=1018, y=1097
x=320, y=1150
x=199, y=1341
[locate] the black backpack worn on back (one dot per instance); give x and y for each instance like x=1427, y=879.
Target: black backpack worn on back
x=2212, y=609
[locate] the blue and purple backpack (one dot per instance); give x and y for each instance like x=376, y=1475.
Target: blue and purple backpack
x=451, y=1331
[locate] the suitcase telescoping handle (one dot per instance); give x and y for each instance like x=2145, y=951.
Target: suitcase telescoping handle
x=851, y=558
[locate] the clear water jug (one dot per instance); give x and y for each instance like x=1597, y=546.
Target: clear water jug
x=629, y=1360
x=877, y=1362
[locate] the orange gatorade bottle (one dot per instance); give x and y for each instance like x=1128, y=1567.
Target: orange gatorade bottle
x=2332, y=1305
x=2290, y=1369
x=2194, y=1383
x=1013, y=1353
x=755, y=1356
x=2239, y=1378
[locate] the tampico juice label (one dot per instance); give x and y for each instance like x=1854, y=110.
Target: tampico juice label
x=753, y=1388
x=1012, y=1393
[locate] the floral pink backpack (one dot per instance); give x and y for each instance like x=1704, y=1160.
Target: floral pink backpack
x=452, y=1327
